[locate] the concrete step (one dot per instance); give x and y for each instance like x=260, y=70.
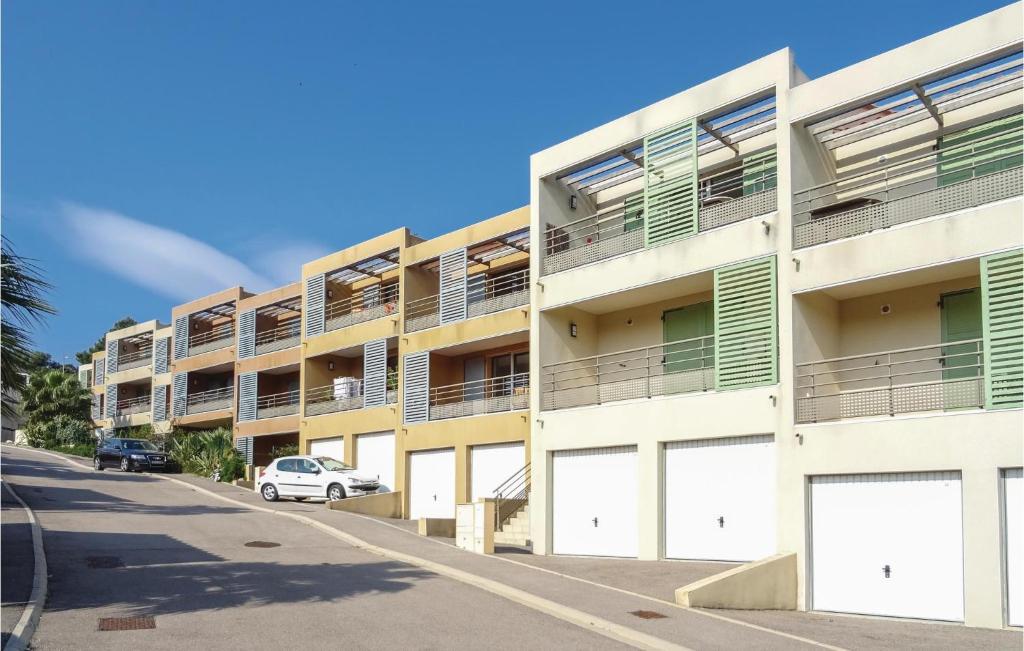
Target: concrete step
x=507, y=538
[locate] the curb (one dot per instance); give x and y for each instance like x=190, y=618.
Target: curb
x=26, y=626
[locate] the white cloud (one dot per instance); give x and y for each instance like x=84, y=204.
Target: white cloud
x=171, y=263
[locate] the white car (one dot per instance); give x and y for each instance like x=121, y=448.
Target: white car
x=309, y=476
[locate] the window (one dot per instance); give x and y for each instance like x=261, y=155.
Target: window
x=287, y=465
x=306, y=466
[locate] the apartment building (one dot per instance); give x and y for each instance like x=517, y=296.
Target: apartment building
x=778, y=315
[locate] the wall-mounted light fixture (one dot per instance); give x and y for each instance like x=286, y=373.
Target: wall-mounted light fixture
x=330, y=293
x=572, y=202
x=330, y=366
x=767, y=227
x=572, y=329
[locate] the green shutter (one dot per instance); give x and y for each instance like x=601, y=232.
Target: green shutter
x=746, y=325
x=1002, y=305
x=633, y=215
x=961, y=157
x=759, y=172
x=670, y=184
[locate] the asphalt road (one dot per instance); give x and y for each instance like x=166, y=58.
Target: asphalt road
x=127, y=545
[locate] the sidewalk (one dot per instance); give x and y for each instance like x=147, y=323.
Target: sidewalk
x=17, y=563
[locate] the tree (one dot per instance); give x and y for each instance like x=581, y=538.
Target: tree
x=37, y=359
x=85, y=356
x=51, y=393
x=22, y=295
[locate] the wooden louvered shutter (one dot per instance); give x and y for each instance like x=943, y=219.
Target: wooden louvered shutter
x=112, y=357
x=111, y=406
x=246, y=334
x=247, y=396
x=179, y=394
x=313, y=313
x=670, y=184
x=452, y=303
x=181, y=337
x=159, y=403
x=416, y=387
x=746, y=325
x=160, y=351
x=1002, y=310
x=375, y=373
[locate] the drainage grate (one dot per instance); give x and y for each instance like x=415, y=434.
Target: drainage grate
x=647, y=614
x=262, y=543
x=127, y=623
x=103, y=562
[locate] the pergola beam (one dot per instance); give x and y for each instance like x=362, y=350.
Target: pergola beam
x=928, y=104
x=717, y=135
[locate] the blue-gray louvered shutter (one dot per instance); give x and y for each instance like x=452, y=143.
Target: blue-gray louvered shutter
x=314, y=310
x=179, y=394
x=247, y=396
x=181, y=337
x=244, y=446
x=246, y=334
x=98, y=372
x=670, y=183
x=83, y=377
x=111, y=400
x=416, y=387
x=160, y=353
x=371, y=296
x=96, y=415
x=159, y=403
x=375, y=373
x=452, y=302
x=112, y=357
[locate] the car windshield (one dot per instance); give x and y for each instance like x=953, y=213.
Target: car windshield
x=333, y=464
x=138, y=445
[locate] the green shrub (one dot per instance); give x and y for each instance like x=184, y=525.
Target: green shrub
x=61, y=431
x=81, y=450
x=204, y=453
x=288, y=450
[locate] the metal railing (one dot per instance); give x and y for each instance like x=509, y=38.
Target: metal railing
x=510, y=496
x=210, y=400
x=489, y=396
x=343, y=396
x=362, y=307
x=675, y=367
x=724, y=197
x=907, y=190
x=215, y=339
x=133, y=406
x=487, y=294
x=278, y=404
x=924, y=378
x=284, y=335
x=422, y=313
x=135, y=359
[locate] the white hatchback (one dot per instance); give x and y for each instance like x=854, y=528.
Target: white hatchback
x=313, y=476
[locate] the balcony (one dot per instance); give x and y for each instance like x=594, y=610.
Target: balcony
x=489, y=396
x=135, y=359
x=484, y=295
x=278, y=404
x=131, y=406
x=343, y=395
x=280, y=337
x=363, y=306
x=211, y=400
x=931, y=378
x=675, y=367
x=220, y=336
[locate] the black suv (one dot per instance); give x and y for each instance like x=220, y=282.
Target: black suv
x=129, y=454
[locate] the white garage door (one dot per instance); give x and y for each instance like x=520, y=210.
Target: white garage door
x=432, y=484
x=1013, y=543
x=594, y=502
x=375, y=456
x=720, y=499
x=332, y=447
x=490, y=465
x=888, y=544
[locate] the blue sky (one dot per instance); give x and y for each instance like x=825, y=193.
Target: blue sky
x=225, y=143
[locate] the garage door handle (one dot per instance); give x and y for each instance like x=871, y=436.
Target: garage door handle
x=886, y=570
x=595, y=522
x=721, y=522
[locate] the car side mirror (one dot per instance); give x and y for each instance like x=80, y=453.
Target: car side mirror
x=316, y=472
x=117, y=447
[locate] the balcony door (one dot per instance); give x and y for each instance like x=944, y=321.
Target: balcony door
x=513, y=368
x=961, y=321
x=682, y=329
x=474, y=370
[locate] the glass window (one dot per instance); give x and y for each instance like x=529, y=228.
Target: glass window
x=307, y=466
x=287, y=465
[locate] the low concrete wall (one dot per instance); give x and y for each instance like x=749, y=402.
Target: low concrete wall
x=381, y=505
x=438, y=527
x=245, y=483
x=767, y=584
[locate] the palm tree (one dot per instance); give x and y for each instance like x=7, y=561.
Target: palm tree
x=50, y=393
x=22, y=290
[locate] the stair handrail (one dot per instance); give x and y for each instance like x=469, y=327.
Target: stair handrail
x=511, y=495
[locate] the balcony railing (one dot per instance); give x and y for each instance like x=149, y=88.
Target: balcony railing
x=674, y=367
x=724, y=198
x=485, y=295
x=220, y=337
x=923, y=186
x=211, y=400
x=422, y=313
x=131, y=406
x=278, y=404
x=340, y=396
x=925, y=378
x=493, y=395
x=135, y=359
x=285, y=335
x=360, y=308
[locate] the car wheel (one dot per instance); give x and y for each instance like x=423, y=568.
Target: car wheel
x=269, y=492
x=335, y=492
x=124, y=464
x=97, y=464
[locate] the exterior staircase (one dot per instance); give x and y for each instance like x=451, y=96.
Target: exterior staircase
x=515, y=530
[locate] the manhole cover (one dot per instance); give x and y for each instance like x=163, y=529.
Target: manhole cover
x=127, y=623
x=262, y=543
x=103, y=562
x=647, y=614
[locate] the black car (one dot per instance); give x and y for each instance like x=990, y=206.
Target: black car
x=129, y=454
